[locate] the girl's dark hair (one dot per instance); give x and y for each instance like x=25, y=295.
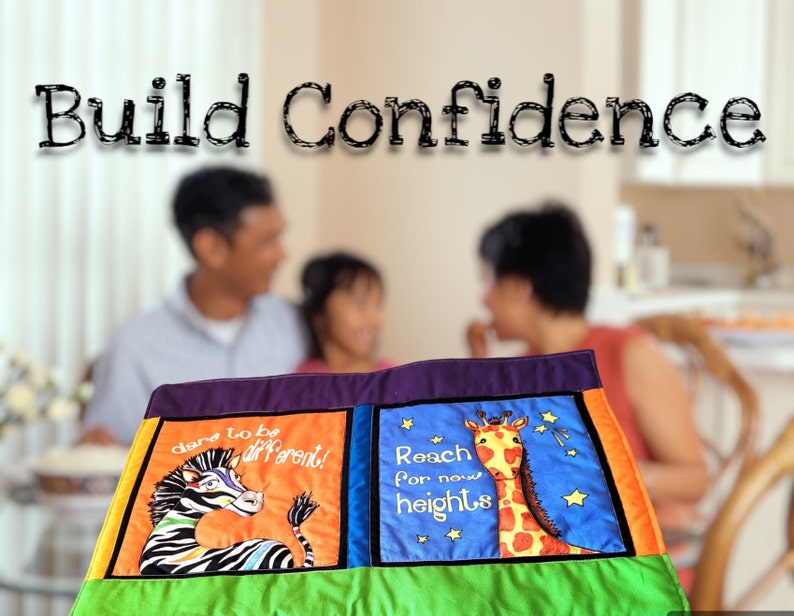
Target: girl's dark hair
x=548, y=246
x=324, y=274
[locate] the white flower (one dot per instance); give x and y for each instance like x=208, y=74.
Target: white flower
x=31, y=391
x=56, y=377
x=61, y=409
x=37, y=376
x=20, y=398
x=85, y=391
x=30, y=413
x=7, y=430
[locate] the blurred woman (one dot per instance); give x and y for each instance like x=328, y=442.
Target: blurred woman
x=536, y=270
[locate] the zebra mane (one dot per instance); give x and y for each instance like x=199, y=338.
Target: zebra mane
x=169, y=489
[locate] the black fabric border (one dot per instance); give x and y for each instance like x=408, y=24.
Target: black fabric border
x=617, y=505
x=343, y=501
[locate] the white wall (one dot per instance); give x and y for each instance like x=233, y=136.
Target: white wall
x=86, y=238
x=418, y=213
x=85, y=233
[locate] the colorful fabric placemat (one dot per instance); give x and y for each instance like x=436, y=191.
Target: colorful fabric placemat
x=495, y=486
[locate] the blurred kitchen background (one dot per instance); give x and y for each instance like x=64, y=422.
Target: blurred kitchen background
x=85, y=235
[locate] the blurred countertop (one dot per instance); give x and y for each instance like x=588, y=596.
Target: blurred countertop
x=767, y=349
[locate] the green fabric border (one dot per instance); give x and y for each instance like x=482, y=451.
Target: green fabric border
x=635, y=585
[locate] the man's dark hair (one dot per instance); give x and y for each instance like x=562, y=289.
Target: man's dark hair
x=548, y=246
x=322, y=275
x=214, y=196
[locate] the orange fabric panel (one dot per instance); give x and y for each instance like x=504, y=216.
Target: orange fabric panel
x=281, y=457
x=640, y=515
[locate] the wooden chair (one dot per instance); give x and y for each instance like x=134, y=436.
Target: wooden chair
x=727, y=455
x=705, y=356
x=757, y=479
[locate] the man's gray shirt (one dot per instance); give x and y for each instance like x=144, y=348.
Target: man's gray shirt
x=172, y=343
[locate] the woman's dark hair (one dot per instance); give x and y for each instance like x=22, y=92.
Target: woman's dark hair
x=214, y=196
x=548, y=246
x=321, y=276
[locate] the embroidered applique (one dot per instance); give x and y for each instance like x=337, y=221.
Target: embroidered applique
x=383, y=493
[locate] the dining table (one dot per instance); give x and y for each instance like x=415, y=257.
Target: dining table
x=47, y=543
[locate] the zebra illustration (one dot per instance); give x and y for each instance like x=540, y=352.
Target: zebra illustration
x=206, y=482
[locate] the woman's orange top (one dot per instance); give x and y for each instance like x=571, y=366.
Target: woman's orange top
x=609, y=344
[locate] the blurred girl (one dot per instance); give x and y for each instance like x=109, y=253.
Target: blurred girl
x=343, y=309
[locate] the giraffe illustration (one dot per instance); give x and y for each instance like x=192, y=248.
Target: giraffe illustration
x=524, y=526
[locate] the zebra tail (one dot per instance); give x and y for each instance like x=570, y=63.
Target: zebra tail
x=307, y=548
x=302, y=507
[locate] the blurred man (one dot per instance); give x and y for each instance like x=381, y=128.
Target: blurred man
x=221, y=321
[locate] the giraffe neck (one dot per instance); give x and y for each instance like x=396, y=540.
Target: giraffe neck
x=519, y=531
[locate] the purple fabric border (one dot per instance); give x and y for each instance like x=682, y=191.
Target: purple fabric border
x=427, y=380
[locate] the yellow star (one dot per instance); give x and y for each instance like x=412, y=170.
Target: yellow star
x=547, y=416
x=575, y=498
x=436, y=439
x=571, y=452
x=454, y=533
x=422, y=538
x=541, y=428
x=407, y=423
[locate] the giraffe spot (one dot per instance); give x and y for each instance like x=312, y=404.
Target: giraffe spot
x=495, y=472
x=513, y=454
x=522, y=542
x=507, y=519
x=518, y=497
x=553, y=546
x=484, y=453
x=500, y=435
x=528, y=521
x=504, y=551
